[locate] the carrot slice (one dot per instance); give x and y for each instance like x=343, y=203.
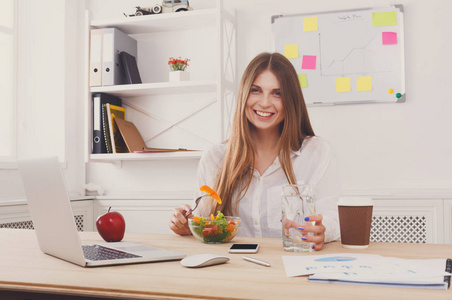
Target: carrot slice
x=211, y=193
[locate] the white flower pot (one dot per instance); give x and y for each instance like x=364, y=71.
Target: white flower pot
x=179, y=76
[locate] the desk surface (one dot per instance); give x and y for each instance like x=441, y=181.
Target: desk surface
x=25, y=268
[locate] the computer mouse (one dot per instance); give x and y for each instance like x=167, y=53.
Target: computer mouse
x=203, y=260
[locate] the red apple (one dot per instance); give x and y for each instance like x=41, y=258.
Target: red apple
x=111, y=226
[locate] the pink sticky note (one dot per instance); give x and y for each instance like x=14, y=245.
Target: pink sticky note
x=389, y=38
x=309, y=62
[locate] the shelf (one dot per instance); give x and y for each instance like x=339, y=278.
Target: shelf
x=158, y=88
x=183, y=155
x=162, y=22
x=157, y=32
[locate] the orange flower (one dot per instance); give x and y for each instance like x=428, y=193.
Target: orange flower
x=211, y=193
x=178, y=64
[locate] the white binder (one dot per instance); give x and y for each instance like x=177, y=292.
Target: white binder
x=95, y=58
x=115, y=41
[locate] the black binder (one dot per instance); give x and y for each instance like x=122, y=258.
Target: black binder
x=130, y=68
x=99, y=99
x=448, y=269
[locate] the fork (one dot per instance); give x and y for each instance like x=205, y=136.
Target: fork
x=196, y=205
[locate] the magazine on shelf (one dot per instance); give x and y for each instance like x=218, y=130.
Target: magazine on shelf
x=134, y=140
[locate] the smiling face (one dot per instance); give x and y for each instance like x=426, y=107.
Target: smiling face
x=264, y=105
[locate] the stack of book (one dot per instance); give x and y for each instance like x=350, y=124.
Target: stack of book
x=112, y=133
x=106, y=137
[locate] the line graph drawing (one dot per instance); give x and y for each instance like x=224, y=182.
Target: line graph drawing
x=358, y=60
x=349, y=45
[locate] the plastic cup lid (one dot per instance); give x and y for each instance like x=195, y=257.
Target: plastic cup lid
x=355, y=201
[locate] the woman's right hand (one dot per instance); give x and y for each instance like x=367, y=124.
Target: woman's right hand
x=178, y=222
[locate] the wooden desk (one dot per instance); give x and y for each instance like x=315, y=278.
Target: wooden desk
x=24, y=268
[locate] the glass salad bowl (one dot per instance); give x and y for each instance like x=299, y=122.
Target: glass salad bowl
x=214, y=230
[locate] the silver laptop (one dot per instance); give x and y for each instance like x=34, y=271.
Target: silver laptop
x=55, y=227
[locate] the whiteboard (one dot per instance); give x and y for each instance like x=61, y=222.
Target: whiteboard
x=345, y=57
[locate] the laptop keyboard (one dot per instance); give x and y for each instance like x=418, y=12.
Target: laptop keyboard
x=98, y=252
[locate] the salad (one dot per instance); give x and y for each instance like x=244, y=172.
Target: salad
x=218, y=229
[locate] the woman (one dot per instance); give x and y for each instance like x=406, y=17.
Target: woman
x=272, y=143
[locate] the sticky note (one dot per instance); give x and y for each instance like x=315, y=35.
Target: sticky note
x=389, y=38
x=310, y=24
x=343, y=84
x=364, y=83
x=386, y=18
x=291, y=51
x=309, y=62
x=303, y=80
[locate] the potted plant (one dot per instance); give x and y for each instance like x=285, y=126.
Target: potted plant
x=178, y=67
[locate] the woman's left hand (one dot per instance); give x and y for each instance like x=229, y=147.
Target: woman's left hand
x=318, y=229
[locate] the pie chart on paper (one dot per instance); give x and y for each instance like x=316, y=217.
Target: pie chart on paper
x=336, y=258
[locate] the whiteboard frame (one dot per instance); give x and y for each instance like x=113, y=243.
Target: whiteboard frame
x=400, y=8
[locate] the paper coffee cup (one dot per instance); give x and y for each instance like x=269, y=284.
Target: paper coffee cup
x=355, y=219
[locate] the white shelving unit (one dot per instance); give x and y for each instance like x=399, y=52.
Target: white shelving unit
x=162, y=22
x=147, y=156
x=159, y=88
x=215, y=92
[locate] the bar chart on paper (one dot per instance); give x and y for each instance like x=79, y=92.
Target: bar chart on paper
x=345, y=57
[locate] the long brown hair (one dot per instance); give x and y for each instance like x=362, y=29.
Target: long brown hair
x=236, y=173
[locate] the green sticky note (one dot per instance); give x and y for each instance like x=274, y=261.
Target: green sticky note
x=291, y=51
x=303, y=80
x=343, y=84
x=364, y=83
x=310, y=24
x=386, y=18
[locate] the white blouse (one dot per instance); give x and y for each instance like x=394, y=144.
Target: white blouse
x=260, y=208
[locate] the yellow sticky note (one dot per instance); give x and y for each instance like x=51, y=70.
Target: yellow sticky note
x=386, y=18
x=291, y=51
x=364, y=83
x=343, y=84
x=303, y=80
x=310, y=24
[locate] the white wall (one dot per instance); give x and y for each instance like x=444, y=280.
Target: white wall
x=382, y=148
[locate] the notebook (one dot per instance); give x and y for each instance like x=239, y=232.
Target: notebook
x=133, y=139
x=54, y=224
x=130, y=68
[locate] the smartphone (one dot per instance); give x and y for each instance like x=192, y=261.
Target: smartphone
x=244, y=248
